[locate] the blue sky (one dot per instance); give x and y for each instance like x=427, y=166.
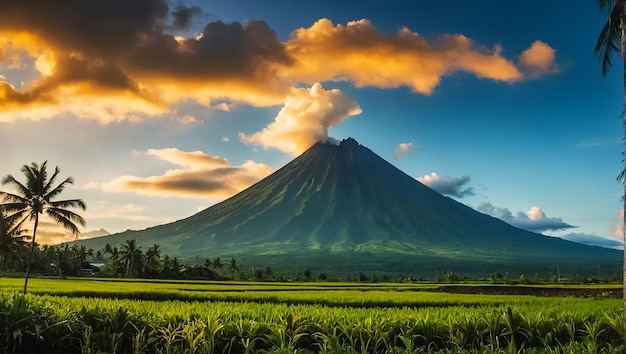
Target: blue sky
x=500, y=104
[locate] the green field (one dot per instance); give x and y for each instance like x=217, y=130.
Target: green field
x=83, y=315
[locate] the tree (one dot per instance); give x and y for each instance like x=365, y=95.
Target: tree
x=11, y=241
x=35, y=198
x=131, y=257
x=611, y=41
x=233, y=268
x=152, y=259
x=217, y=265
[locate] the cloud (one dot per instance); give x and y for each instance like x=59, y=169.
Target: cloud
x=535, y=220
x=183, y=16
x=200, y=176
x=304, y=119
x=617, y=227
x=359, y=53
x=222, y=107
x=115, y=60
x=188, y=119
x=87, y=50
x=538, y=60
x=593, y=240
x=448, y=185
x=403, y=150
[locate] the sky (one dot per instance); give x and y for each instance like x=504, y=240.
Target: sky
x=160, y=109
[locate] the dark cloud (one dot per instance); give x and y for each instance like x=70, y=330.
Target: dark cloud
x=186, y=184
x=118, y=46
x=448, y=185
x=535, y=220
x=100, y=28
x=183, y=15
x=223, y=51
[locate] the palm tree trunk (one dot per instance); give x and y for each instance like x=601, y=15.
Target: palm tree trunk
x=623, y=3
x=30, y=254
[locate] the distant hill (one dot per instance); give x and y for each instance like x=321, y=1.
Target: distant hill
x=94, y=233
x=342, y=209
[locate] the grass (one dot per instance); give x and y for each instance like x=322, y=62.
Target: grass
x=90, y=315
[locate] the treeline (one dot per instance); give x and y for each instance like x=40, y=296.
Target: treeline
x=128, y=260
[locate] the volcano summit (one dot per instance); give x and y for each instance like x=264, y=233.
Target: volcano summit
x=342, y=209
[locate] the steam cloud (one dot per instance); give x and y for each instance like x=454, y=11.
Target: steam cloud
x=304, y=119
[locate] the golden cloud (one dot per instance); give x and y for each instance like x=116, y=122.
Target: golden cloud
x=200, y=176
x=538, y=60
x=304, y=119
x=359, y=53
x=94, y=63
x=403, y=150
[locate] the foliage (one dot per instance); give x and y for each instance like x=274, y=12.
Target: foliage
x=38, y=196
x=47, y=323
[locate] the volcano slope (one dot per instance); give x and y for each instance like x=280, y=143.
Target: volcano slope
x=342, y=209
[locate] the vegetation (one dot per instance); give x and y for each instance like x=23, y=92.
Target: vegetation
x=297, y=321
x=611, y=41
x=36, y=197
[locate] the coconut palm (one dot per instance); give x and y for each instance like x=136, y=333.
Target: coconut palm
x=11, y=241
x=35, y=198
x=217, y=264
x=611, y=41
x=152, y=259
x=233, y=268
x=131, y=257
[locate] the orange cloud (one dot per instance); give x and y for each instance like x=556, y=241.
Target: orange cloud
x=304, y=119
x=200, y=176
x=403, y=150
x=617, y=227
x=358, y=52
x=538, y=60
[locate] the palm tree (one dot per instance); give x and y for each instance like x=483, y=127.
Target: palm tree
x=36, y=197
x=217, y=265
x=11, y=241
x=611, y=41
x=131, y=257
x=152, y=259
x=233, y=268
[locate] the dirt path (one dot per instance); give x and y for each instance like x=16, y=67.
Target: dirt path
x=615, y=293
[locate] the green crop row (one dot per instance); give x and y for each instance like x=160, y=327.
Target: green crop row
x=386, y=296
x=61, y=324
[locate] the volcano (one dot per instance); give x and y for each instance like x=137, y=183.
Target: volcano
x=342, y=209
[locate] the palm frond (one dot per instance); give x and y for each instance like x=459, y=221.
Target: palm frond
x=607, y=4
x=48, y=185
x=13, y=198
x=15, y=206
x=71, y=203
x=610, y=39
x=66, y=221
x=69, y=215
x=34, y=177
x=58, y=189
x=9, y=179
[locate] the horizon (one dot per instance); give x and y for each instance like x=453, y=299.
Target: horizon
x=511, y=120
